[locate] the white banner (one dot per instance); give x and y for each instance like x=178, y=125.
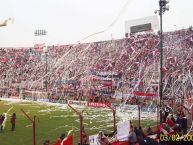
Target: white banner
x=93, y=140
x=74, y=102
x=123, y=129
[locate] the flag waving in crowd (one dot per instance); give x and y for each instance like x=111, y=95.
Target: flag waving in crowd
x=62, y=140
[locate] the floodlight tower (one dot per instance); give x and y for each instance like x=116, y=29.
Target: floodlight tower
x=163, y=7
x=40, y=33
x=46, y=79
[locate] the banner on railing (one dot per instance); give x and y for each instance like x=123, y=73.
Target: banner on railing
x=93, y=140
x=123, y=129
x=74, y=102
x=99, y=104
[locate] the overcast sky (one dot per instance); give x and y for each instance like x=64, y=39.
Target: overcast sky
x=69, y=21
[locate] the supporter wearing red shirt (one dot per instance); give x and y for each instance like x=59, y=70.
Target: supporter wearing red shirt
x=180, y=112
x=60, y=139
x=170, y=122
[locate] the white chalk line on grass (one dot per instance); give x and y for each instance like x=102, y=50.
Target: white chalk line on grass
x=28, y=125
x=59, y=116
x=59, y=127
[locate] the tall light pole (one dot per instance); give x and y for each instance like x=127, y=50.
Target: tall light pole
x=40, y=33
x=46, y=56
x=162, y=8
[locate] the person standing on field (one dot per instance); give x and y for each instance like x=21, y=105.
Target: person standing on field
x=13, y=120
x=2, y=118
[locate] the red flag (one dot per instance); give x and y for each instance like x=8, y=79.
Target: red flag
x=144, y=94
x=68, y=141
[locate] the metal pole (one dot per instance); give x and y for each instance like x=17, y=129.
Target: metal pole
x=114, y=117
x=46, y=82
x=183, y=94
x=33, y=125
x=34, y=130
x=161, y=62
x=111, y=83
x=81, y=129
x=139, y=116
x=46, y=72
x=157, y=117
x=81, y=121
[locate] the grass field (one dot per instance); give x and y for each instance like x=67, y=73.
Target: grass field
x=53, y=120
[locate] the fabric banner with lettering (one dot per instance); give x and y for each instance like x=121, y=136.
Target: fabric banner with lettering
x=74, y=102
x=99, y=104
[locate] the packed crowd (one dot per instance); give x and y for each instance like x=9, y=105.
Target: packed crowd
x=174, y=124
x=100, y=69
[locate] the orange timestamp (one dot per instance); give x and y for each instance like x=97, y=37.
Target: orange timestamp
x=176, y=138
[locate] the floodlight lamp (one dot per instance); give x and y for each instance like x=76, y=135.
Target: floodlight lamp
x=167, y=1
x=162, y=3
x=167, y=8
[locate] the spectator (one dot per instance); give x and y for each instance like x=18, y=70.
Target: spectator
x=184, y=125
x=150, y=141
x=180, y=112
x=84, y=137
x=13, y=121
x=102, y=139
x=140, y=140
x=60, y=139
x=166, y=113
x=1, y=122
x=179, y=120
x=170, y=122
x=141, y=132
x=46, y=142
x=172, y=118
x=132, y=137
x=62, y=136
x=2, y=118
x=137, y=131
x=149, y=131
